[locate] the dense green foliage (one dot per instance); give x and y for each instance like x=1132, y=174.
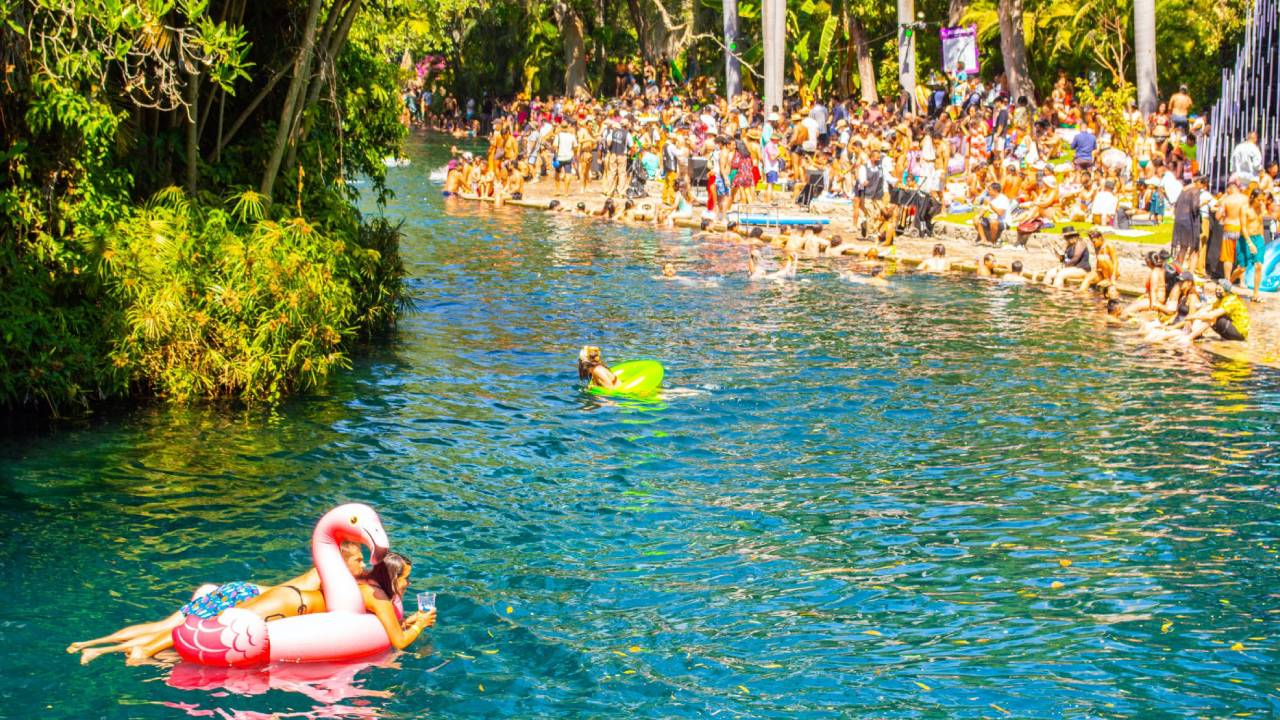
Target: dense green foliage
x=115, y=282
x=501, y=47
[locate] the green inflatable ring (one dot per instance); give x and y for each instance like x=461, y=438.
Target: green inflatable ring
x=635, y=377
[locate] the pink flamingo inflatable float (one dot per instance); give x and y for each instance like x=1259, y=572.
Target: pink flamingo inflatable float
x=239, y=638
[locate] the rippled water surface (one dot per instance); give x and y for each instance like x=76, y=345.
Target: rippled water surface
x=947, y=499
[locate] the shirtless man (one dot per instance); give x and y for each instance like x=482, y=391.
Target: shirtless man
x=1231, y=214
x=1179, y=109
x=987, y=265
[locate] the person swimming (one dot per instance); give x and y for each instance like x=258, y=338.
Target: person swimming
x=937, y=262
x=591, y=368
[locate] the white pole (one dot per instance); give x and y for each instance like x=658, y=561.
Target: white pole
x=907, y=52
x=1144, y=42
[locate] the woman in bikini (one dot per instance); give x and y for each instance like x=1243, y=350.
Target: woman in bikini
x=298, y=596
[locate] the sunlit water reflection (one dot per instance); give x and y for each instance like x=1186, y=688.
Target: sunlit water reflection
x=948, y=499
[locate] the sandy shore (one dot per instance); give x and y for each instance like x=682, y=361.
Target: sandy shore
x=1262, y=347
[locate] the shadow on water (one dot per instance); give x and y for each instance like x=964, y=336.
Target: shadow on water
x=950, y=499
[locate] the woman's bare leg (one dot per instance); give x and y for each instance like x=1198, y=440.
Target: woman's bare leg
x=133, y=632
x=91, y=654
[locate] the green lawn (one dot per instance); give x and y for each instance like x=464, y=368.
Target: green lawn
x=1160, y=234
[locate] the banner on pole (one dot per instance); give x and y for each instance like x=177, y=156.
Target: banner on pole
x=960, y=46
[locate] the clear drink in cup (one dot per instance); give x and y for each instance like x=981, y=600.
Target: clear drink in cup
x=426, y=601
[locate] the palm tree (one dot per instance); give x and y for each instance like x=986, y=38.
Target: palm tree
x=1144, y=43
x=732, y=72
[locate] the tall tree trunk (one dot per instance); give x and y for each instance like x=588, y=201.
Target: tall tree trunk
x=330, y=43
x=575, y=60
x=847, y=57
x=193, y=131
x=1144, y=46
x=866, y=69
x=732, y=67
x=640, y=21
x=1013, y=47
x=301, y=75
x=955, y=11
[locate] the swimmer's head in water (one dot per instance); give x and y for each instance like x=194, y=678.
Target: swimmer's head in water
x=731, y=225
x=1114, y=307
x=706, y=223
x=553, y=204
x=989, y=260
x=588, y=358
x=939, y=250
x=755, y=233
x=669, y=270
x=628, y=204
x=582, y=206
x=1016, y=267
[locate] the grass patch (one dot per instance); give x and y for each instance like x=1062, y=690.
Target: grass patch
x=1161, y=234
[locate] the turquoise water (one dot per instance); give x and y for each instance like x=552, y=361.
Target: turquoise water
x=946, y=500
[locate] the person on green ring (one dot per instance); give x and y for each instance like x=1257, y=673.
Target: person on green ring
x=592, y=368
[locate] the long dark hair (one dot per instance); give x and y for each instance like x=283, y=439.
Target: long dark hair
x=384, y=574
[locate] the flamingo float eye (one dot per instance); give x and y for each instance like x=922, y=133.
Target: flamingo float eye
x=355, y=520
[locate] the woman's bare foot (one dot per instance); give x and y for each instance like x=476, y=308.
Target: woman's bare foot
x=90, y=654
x=76, y=647
x=137, y=657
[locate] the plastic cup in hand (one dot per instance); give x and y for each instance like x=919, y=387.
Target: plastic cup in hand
x=426, y=601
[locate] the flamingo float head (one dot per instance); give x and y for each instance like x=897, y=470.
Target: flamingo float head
x=356, y=522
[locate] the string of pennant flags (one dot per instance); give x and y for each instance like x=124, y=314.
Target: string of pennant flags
x=1250, y=99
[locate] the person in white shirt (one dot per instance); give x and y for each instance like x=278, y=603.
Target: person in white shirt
x=1105, y=203
x=566, y=144
x=1171, y=185
x=1246, y=159
x=994, y=218
x=810, y=143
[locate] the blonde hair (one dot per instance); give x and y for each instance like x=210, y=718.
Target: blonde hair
x=588, y=359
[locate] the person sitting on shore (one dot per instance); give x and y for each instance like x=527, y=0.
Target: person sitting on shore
x=1075, y=260
x=937, y=262
x=1227, y=316
x=994, y=217
x=1155, y=293
x=1107, y=263
x=591, y=368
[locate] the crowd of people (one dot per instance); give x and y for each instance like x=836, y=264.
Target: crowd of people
x=1014, y=167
